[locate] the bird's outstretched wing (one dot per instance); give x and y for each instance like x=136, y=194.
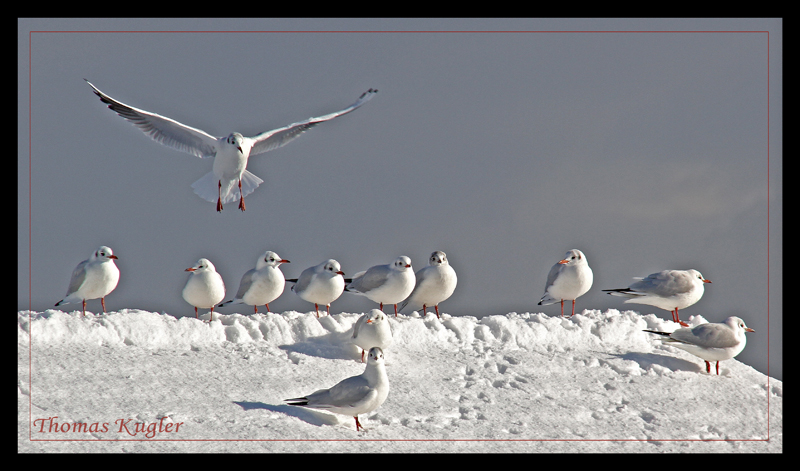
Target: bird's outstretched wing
x=269, y=140
x=162, y=129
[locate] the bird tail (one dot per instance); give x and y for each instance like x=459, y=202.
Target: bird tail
x=666, y=334
x=207, y=187
x=298, y=401
x=546, y=299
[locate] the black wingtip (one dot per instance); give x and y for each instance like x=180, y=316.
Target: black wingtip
x=666, y=334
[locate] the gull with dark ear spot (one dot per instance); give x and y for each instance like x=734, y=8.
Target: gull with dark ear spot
x=385, y=284
x=372, y=330
x=230, y=153
x=204, y=288
x=435, y=283
x=668, y=289
x=262, y=284
x=320, y=284
x=355, y=395
x=710, y=342
x=93, y=278
x=568, y=279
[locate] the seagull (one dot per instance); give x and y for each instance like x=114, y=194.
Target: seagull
x=355, y=395
x=667, y=289
x=204, y=288
x=710, y=342
x=434, y=283
x=230, y=153
x=569, y=278
x=93, y=278
x=262, y=284
x=389, y=284
x=320, y=284
x=372, y=330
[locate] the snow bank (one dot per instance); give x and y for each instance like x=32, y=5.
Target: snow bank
x=587, y=330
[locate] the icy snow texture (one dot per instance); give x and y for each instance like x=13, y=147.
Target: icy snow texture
x=516, y=383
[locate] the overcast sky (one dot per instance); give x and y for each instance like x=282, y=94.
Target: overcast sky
x=647, y=144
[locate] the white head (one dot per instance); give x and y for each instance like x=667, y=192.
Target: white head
x=402, y=263
x=375, y=317
x=738, y=325
x=332, y=268
x=573, y=257
x=269, y=259
x=375, y=356
x=696, y=275
x=438, y=258
x=235, y=139
x=103, y=254
x=202, y=265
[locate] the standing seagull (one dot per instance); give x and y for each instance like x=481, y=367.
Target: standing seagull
x=710, y=342
x=570, y=278
x=372, y=330
x=93, y=278
x=230, y=153
x=668, y=289
x=320, y=284
x=355, y=395
x=435, y=283
x=204, y=288
x=262, y=284
x=389, y=284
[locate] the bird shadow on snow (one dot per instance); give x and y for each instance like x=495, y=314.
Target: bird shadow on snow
x=647, y=360
x=307, y=415
x=333, y=346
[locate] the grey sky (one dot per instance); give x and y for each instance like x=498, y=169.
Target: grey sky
x=503, y=143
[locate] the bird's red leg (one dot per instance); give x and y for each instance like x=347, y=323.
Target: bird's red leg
x=195, y=313
x=424, y=308
x=328, y=309
x=241, y=197
x=436, y=307
x=103, y=302
x=573, y=307
x=562, y=308
x=381, y=304
x=718, y=368
x=395, y=310
x=219, y=197
x=84, y=308
x=358, y=424
x=267, y=304
x=211, y=319
x=255, y=309
x=708, y=367
x=316, y=308
x=678, y=319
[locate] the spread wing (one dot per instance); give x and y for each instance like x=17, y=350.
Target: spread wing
x=267, y=141
x=162, y=129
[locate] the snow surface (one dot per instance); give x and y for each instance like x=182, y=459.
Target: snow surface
x=503, y=383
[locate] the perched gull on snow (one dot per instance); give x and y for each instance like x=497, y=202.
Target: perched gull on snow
x=230, y=153
x=320, y=284
x=385, y=284
x=711, y=342
x=372, y=330
x=93, y=278
x=204, y=288
x=667, y=289
x=262, y=284
x=355, y=395
x=435, y=283
x=570, y=278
